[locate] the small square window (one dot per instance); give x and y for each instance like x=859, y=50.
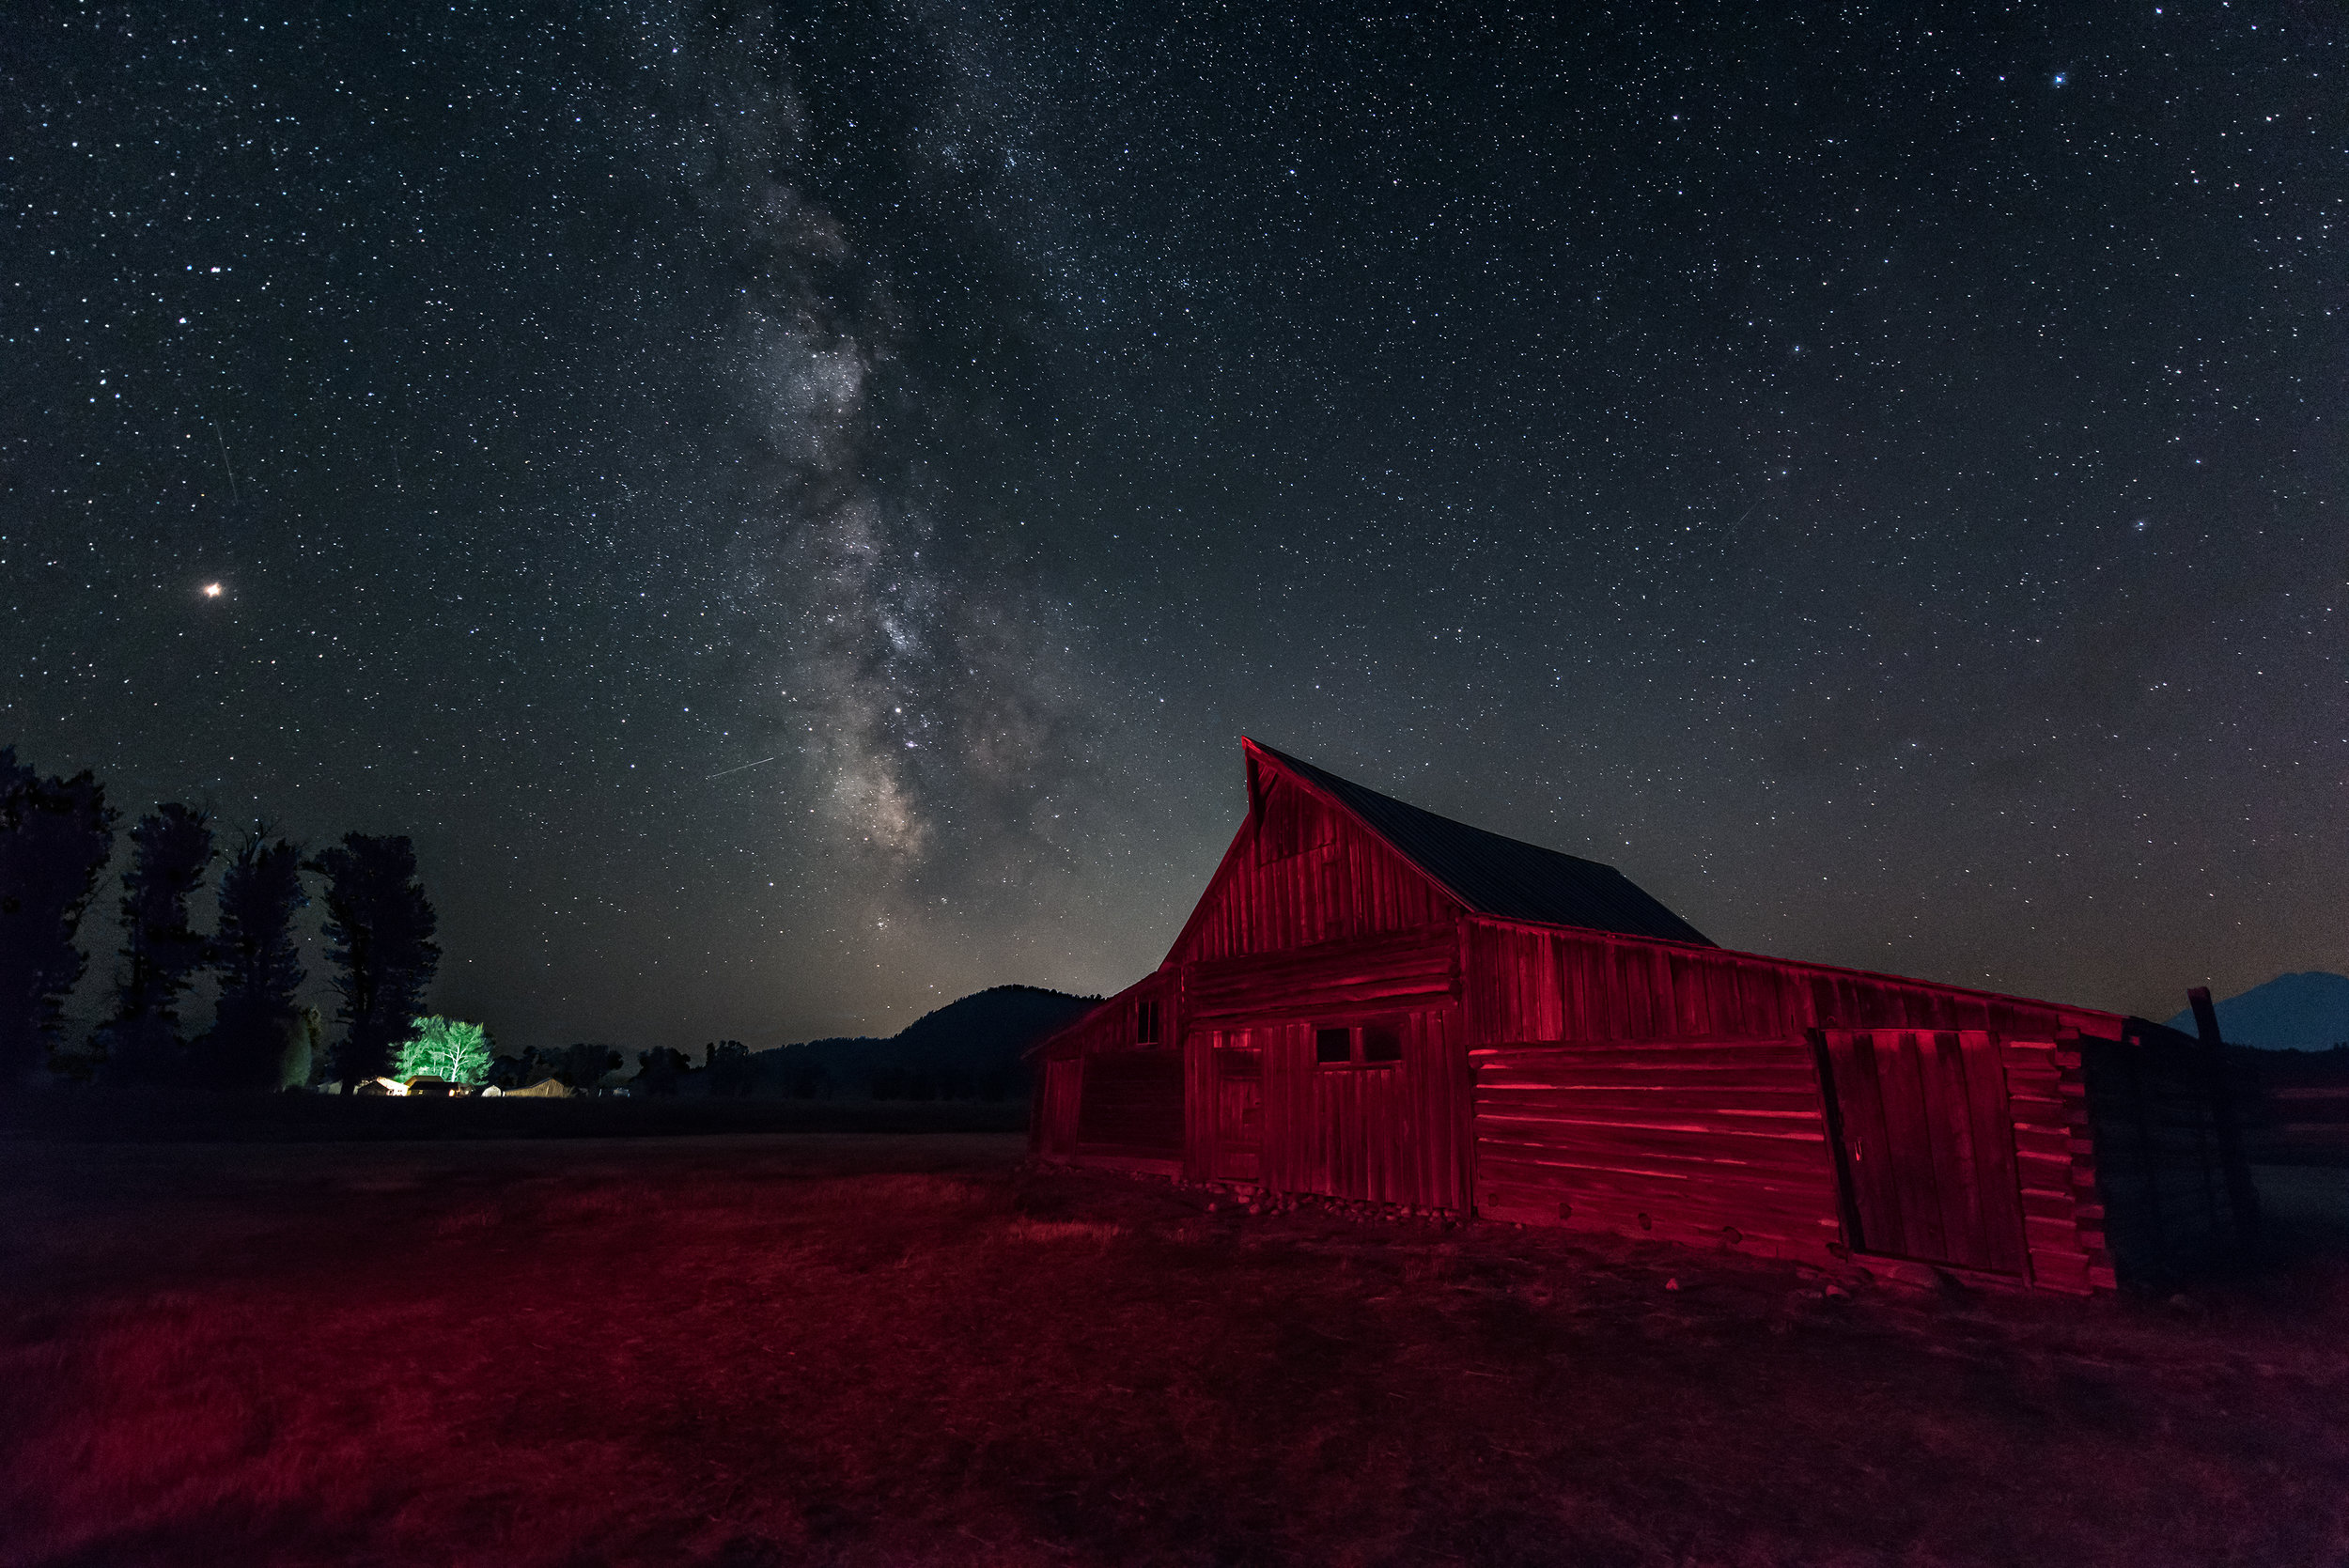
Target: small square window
x=1381, y=1042
x=1334, y=1044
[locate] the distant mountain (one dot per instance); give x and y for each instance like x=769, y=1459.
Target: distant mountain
x=966, y=1049
x=2308, y=1011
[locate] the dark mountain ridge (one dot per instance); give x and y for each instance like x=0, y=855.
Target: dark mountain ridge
x=972, y=1048
x=2307, y=1011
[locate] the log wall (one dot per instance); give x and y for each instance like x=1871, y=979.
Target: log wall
x=1652, y=1089
x=1710, y=1143
x=2055, y=1159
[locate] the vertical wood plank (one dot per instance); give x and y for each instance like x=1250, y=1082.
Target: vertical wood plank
x=1948, y=1108
x=1875, y=1185
x=1909, y=1135
x=1991, y=1122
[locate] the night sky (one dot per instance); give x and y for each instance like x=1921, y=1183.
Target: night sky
x=794, y=511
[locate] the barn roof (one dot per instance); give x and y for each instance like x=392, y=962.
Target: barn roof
x=1496, y=875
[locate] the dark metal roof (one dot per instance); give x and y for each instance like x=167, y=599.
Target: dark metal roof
x=1504, y=876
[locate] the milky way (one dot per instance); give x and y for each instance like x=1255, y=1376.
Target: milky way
x=793, y=510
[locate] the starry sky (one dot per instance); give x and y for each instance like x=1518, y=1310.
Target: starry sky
x=794, y=508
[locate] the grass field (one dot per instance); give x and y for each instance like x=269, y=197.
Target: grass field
x=916, y=1349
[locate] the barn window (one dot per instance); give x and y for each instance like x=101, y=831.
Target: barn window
x=1373, y=1045
x=1146, y=1021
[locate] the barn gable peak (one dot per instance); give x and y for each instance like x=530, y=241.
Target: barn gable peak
x=1486, y=872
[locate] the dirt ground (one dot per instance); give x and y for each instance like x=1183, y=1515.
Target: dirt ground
x=917, y=1349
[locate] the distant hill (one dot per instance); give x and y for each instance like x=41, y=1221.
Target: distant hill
x=2308, y=1011
x=966, y=1049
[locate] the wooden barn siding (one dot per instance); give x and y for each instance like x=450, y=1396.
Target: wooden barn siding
x=1528, y=991
x=1347, y=885
x=1128, y=1113
x=1530, y=983
x=1383, y=1134
x=1055, y=1126
x=1130, y=1109
x=2055, y=1161
x=1337, y=982
x=1378, y=973
x=1699, y=1142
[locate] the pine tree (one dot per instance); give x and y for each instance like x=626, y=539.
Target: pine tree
x=258, y=960
x=55, y=835
x=380, y=926
x=170, y=848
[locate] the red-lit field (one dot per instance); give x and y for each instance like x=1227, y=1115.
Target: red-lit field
x=911, y=1349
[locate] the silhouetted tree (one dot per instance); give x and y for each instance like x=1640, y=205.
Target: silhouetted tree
x=258, y=961
x=515, y=1072
x=731, y=1073
x=583, y=1066
x=54, y=837
x=659, y=1070
x=170, y=848
x=902, y=1083
x=380, y=926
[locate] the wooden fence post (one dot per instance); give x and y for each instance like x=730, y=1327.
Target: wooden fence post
x=2242, y=1196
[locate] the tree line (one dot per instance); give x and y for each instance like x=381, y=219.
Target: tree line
x=57, y=839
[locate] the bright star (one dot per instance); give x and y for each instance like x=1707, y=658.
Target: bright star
x=212, y=590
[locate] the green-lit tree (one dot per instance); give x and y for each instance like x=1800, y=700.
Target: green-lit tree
x=258, y=960
x=170, y=848
x=54, y=837
x=445, y=1049
x=380, y=926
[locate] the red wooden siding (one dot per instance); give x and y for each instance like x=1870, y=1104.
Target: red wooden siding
x=1705, y=1142
x=1570, y=1076
x=1129, y=1109
x=1056, y=1110
x=1380, y=973
x=2054, y=1164
x=1107, y=1097
x=1386, y=1133
x=1676, y=1049
x=1226, y=1107
x=1314, y=876
x=1927, y=1143
x=1532, y=982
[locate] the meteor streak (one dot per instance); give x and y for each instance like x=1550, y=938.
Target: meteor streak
x=738, y=768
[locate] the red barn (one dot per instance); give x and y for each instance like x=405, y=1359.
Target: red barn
x=1375, y=1002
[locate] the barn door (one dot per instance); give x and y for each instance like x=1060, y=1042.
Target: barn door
x=1925, y=1142
x=1061, y=1084
x=1239, y=1112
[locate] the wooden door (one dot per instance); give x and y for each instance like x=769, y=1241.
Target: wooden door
x=1239, y=1113
x=1926, y=1142
x=1061, y=1081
